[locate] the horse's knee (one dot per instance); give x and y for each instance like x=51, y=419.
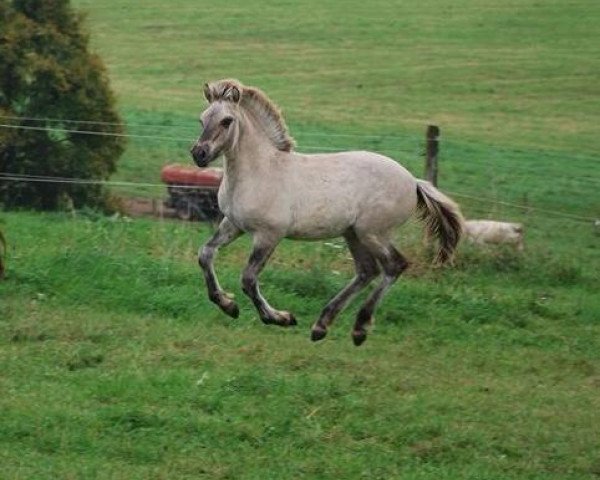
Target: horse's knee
x=205, y=256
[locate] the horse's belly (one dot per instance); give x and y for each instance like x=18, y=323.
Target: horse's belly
x=320, y=222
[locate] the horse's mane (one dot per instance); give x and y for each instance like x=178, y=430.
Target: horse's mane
x=258, y=105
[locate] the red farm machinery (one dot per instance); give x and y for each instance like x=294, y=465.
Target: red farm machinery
x=193, y=191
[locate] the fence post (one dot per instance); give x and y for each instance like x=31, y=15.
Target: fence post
x=2, y=252
x=431, y=153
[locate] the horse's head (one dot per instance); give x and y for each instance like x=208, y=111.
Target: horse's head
x=220, y=125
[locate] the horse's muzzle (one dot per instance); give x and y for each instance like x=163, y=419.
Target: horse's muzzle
x=200, y=155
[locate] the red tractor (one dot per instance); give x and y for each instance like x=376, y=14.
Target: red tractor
x=193, y=191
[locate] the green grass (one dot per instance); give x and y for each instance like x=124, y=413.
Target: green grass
x=517, y=71
x=115, y=365
x=512, y=86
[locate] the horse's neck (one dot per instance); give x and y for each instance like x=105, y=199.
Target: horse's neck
x=251, y=156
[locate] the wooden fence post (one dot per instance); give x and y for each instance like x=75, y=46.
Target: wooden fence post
x=431, y=153
x=2, y=252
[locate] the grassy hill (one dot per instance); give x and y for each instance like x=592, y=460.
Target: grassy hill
x=115, y=365
x=513, y=86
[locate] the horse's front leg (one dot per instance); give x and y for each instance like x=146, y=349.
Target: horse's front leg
x=263, y=247
x=225, y=234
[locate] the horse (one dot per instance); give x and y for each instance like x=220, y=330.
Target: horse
x=272, y=192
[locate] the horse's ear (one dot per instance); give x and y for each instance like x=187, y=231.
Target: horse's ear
x=207, y=93
x=233, y=94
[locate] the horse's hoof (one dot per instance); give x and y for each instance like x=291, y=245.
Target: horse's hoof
x=281, y=319
x=230, y=308
x=358, y=337
x=290, y=319
x=317, y=334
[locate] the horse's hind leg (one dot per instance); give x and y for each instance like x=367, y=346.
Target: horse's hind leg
x=263, y=247
x=393, y=264
x=366, y=270
x=226, y=233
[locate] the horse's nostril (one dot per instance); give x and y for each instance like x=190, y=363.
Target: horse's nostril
x=200, y=154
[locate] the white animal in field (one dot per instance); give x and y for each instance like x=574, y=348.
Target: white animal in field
x=272, y=192
x=490, y=231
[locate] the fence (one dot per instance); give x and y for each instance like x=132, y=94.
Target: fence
x=431, y=153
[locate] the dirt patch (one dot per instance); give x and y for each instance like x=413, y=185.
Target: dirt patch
x=146, y=207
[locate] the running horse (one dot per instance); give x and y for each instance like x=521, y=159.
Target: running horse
x=272, y=192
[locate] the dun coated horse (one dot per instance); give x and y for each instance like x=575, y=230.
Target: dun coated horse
x=272, y=192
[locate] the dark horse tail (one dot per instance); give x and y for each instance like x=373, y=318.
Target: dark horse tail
x=442, y=218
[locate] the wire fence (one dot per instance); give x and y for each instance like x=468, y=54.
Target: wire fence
x=188, y=140
x=12, y=177
x=415, y=146
x=413, y=139
x=416, y=150
x=190, y=127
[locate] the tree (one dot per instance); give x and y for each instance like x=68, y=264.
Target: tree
x=48, y=78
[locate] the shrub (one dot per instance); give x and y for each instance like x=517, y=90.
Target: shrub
x=48, y=78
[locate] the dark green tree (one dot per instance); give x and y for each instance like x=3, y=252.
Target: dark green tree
x=48, y=77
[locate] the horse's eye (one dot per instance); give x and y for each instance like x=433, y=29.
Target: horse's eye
x=226, y=122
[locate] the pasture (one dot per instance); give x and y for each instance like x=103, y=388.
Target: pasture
x=115, y=365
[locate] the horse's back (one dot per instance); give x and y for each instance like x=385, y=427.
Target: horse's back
x=355, y=169
x=357, y=189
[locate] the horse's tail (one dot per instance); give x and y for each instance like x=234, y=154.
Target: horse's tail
x=442, y=218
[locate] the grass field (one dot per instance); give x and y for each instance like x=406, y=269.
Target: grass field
x=115, y=366
x=513, y=86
